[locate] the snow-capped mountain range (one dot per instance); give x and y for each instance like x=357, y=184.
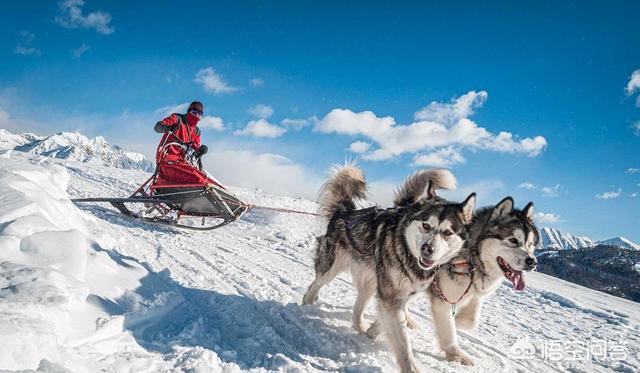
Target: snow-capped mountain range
x=75, y=147
x=553, y=239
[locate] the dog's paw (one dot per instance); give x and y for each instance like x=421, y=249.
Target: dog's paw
x=460, y=357
x=374, y=330
x=309, y=299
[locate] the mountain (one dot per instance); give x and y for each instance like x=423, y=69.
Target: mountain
x=84, y=289
x=9, y=140
x=76, y=147
x=552, y=239
x=620, y=242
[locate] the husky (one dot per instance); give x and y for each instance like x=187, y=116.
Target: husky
x=501, y=245
x=393, y=252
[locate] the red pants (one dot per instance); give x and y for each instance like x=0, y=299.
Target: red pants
x=177, y=171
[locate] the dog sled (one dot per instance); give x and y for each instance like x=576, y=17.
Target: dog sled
x=201, y=206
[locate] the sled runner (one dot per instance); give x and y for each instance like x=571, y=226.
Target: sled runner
x=200, y=206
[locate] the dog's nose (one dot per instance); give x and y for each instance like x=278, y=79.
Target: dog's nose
x=427, y=249
x=530, y=263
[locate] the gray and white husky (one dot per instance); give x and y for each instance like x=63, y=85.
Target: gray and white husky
x=500, y=245
x=392, y=251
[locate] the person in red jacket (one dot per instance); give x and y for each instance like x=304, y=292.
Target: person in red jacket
x=171, y=162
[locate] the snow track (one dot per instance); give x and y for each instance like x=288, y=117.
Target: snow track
x=156, y=298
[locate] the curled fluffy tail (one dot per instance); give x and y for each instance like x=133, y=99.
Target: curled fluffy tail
x=415, y=185
x=345, y=184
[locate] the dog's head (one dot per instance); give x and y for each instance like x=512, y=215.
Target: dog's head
x=437, y=229
x=508, y=240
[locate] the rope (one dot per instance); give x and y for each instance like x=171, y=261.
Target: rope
x=283, y=210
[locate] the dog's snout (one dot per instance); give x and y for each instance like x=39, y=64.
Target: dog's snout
x=530, y=263
x=427, y=249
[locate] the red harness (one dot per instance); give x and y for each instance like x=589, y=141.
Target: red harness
x=435, y=285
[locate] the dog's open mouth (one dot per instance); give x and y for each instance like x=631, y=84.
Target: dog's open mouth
x=511, y=274
x=425, y=263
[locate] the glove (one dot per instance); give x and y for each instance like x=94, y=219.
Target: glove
x=160, y=127
x=172, y=128
x=203, y=150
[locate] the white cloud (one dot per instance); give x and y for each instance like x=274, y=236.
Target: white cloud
x=359, y=147
x=527, y=185
x=296, y=124
x=551, y=191
x=452, y=130
x=636, y=126
x=261, y=128
x=72, y=17
x=258, y=170
x=462, y=107
x=256, y=82
x=633, y=85
x=212, y=82
x=634, y=195
x=632, y=170
x=609, y=195
x=546, y=218
x=24, y=47
x=261, y=111
x=214, y=123
x=444, y=157
x=170, y=109
x=78, y=52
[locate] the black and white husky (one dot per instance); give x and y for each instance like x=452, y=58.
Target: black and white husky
x=393, y=251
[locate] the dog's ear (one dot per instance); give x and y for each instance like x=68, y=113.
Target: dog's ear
x=528, y=211
x=502, y=209
x=429, y=193
x=468, y=206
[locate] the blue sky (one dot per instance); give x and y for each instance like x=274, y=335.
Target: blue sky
x=291, y=88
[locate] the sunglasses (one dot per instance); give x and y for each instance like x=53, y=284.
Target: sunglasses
x=196, y=113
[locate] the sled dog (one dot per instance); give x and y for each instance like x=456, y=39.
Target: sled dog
x=393, y=252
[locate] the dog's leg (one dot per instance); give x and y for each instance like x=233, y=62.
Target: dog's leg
x=446, y=331
x=366, y=285
x=327, y=268
x=468, y=316
x=411, y=324
x=390, y=313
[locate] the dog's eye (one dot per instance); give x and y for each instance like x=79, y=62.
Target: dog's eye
x=448, y=233
x=426, y=226
x=513, y=240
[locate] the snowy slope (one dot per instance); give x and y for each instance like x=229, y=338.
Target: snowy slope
x=76, y=147
x=89, y=290
x=553, y=239
x=9, y=140
x=621, y=242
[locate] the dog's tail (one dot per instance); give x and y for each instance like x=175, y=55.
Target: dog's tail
x=345, y=184
x=415, y=185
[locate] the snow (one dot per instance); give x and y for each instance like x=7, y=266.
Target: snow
x=553, y=239
x=622, y=242
x=86, y=289
x=73, y=146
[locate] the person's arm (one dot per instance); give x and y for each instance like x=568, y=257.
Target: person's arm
x=197, y=144
x=170, y=123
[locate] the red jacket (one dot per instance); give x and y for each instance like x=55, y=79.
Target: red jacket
x=186, y=133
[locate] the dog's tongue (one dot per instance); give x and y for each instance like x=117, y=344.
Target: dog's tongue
x=517, y=280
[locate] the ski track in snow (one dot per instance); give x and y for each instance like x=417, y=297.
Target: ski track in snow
x=230, y=300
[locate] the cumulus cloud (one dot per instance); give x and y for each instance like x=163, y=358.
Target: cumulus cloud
x=442, y=128
x=78, y=52
x=71, y=16
x=444, y=157
x=636, y=126
x=214, y=123
x=551, y=191
x=632, y=170
x=527, y=185
x=212, y=82
x=633, y=85
x=261, y=111
x=261, y=128
x=170, y=109
x=24, y=47
x=256, y=82
x=359, y=147
x=609, y=195
x=258, y=170
x=296, y=124
x=546, y=218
